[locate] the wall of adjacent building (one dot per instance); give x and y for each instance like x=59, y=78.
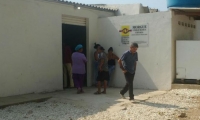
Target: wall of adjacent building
x=197, y=31
x=181, y=30
x=154, y=65
x=128, y=9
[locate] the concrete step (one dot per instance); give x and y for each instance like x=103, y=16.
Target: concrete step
x=187, y=81
x=21, y=99
x=185, y=86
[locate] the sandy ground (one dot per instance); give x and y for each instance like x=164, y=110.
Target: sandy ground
x=149, y=105
x=192, y=113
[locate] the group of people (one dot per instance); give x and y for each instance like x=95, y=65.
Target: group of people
x=104, y=66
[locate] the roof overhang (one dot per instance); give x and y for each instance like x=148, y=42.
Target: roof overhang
x=100, y=8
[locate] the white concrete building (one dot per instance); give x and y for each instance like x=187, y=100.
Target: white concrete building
x=32, y=33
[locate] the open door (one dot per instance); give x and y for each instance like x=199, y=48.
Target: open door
x=74, y=33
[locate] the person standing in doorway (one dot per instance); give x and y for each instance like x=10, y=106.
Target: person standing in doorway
x=96, y=58
x=103, y=74
x=78, y=68
x=68, y=67
x=128, y=63
x=111, y=63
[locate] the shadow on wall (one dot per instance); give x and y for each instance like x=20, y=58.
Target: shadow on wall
x=142, y=78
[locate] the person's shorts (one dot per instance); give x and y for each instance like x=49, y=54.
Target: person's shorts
x=103, y=75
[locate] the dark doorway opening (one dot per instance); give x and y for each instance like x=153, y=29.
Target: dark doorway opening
x=72, y=35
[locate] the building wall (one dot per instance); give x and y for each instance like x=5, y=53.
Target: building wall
x=31, y=44
x=180, y=32
x=197, y=30
x=144, y=9
x=154, y=65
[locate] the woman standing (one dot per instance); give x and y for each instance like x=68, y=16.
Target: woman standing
x=103, y=74
x=96, y=58
x=78, y=68
x=111, y=63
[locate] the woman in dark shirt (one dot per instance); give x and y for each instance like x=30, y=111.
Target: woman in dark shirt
x=96, y=58
x=111, y=63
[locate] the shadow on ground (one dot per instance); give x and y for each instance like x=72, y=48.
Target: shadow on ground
x=69, y=105
x=157, y=105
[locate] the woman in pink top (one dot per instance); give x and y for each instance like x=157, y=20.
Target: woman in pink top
x=78, y=68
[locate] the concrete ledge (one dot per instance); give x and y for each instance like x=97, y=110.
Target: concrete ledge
x=185, y=86
x=21, y=99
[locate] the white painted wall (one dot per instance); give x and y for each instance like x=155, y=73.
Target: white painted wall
x=188, y=59
x=154, y=65
x=180, y=32
x=31, y=44
x=197, y=30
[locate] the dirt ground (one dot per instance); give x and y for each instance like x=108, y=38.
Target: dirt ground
x=192, y=114
x=148, y=105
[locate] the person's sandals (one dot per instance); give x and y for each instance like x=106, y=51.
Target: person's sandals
x=78, y=91
x=82, y=91
x=103, y=92
x=97, y=93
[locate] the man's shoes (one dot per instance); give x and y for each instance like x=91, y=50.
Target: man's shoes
x=122, y=95
x=131, y=99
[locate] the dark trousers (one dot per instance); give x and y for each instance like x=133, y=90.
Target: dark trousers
x=129, y=85
x=78, y=80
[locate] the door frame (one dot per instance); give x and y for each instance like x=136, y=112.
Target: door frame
x=88, y=70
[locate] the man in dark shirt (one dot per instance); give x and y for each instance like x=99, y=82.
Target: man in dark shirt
x=128, y=65
x=68, y=66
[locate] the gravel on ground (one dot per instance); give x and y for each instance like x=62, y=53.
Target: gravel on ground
x=168, y=106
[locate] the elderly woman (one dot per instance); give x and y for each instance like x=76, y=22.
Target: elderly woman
x=78, y=68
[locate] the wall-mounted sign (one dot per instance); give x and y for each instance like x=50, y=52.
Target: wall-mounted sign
x=135, y=33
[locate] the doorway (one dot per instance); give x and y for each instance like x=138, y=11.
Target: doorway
x=72, y=35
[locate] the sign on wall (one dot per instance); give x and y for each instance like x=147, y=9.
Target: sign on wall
x=135, y=33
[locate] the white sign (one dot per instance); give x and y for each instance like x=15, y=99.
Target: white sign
x=135, y=33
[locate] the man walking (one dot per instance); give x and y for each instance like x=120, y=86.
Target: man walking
x=128, y=65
